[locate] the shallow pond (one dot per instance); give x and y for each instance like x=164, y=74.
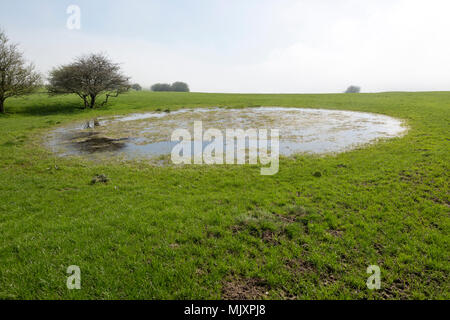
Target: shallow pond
x=148, y=135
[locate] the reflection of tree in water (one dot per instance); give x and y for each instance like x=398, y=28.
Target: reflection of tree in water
x=91, y=124
x=91, y=142
x=100, y=144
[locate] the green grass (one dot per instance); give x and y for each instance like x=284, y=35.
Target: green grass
x=192, y=232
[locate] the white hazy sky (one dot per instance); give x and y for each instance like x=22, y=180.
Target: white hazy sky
x=260, y=46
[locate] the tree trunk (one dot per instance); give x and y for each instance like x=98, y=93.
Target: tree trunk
x=2, y=106
x=92, y=101
x=85, y=102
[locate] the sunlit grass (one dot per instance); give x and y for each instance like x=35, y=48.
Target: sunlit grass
x=166, y=232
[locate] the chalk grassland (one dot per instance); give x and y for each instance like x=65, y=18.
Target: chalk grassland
x=211, y=232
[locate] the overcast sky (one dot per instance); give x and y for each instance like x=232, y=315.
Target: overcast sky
x=260, y=46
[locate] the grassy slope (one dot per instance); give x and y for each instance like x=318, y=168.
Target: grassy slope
x=168, y=233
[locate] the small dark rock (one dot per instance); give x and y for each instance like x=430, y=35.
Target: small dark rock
x=317, y=174
x=100, y=178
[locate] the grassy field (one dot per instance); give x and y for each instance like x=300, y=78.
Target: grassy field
x=211, y=232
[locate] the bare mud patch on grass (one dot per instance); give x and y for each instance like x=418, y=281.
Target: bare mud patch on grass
x=245, y=289
x=148, y=135
x=299, y=266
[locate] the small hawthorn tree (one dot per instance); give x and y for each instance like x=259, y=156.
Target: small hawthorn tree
x=89, y=77
x=16, y=77
x=353, y=89
x=161, y=87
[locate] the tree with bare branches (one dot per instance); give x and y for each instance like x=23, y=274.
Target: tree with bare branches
x=89, y=77
x=16, y=77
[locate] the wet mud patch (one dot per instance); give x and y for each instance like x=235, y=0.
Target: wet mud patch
x=148, y=135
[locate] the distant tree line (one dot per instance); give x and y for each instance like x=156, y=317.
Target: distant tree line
x=175, y=87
